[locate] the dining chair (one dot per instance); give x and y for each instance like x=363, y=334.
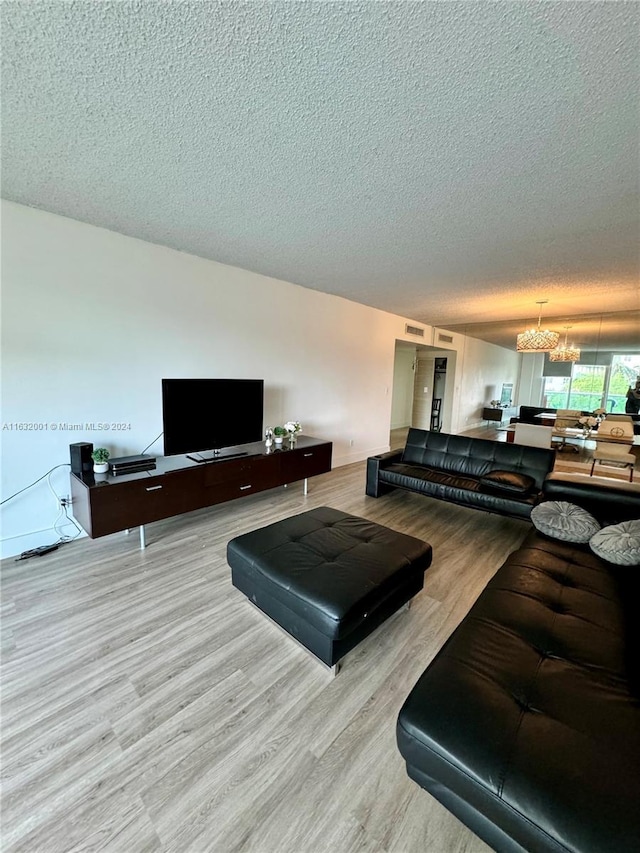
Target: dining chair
x=566, y=419
x=613, y=443
x=533, y=435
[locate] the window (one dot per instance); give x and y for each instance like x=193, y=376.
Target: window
x=624, y=370
x=556, y=391
x=587, y=387
x=593, y=386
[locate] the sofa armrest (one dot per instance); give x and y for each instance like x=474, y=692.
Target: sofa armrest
x=374, y=463
x=609, y=500
x=387, y=458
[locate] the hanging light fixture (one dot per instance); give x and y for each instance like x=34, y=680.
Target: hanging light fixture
x=565, y=352
x=537, y=340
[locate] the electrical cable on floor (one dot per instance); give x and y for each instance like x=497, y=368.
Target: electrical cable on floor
x=63, y=504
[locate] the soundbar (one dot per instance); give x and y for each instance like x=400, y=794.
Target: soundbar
x=131, y=464
x=133, y=469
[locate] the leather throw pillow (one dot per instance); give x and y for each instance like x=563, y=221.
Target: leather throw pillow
x=508, y=481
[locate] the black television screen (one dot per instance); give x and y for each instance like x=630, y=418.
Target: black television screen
x=208, y=414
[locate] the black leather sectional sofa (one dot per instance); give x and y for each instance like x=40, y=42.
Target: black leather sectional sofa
x=526, y=724
x=489, y=475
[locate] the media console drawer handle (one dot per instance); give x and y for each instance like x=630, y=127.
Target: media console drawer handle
x=242, y=488
x=308, y=454
x=153, y=488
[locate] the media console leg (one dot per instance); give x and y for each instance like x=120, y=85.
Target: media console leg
x=305, y=487
x=143, y=543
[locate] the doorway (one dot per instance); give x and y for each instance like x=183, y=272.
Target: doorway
x=422, y=391
x=419, y=386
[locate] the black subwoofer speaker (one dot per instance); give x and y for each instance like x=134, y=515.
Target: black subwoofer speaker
x=81, y=460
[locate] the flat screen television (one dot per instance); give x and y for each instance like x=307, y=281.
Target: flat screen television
x=210, y=414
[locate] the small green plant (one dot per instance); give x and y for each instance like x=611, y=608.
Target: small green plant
x=100, y=455
x=279, y=431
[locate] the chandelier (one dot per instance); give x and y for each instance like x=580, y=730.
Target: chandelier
x=537, y=340
x=565, y=353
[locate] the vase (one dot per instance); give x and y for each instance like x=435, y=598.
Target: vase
x=100, y=467
x=278, y=440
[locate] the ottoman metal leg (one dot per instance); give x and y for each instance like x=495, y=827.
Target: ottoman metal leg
x=333, y=670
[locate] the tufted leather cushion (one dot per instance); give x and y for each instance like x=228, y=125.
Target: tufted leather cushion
x=564, y=520
x=330, y=568
x=527, y=722
x=619, y=543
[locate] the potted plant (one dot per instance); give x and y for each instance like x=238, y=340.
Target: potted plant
x=279, y=434
x=100, y=458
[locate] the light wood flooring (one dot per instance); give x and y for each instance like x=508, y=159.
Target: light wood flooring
x=146, y=706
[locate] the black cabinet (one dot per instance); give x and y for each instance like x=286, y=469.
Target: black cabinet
x=305, y=462
x=489, y=414
x=497, y=414
x=104, y=504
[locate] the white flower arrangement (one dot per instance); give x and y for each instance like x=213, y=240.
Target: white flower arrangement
x=293, y=427
x=592, y=420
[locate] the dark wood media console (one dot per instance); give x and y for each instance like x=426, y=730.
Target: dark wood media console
x=104, y=504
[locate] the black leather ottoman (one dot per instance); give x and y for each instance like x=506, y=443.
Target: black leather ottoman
x=328, y=578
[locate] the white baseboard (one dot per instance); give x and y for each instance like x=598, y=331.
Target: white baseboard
x=357, y=456
x=13, y=546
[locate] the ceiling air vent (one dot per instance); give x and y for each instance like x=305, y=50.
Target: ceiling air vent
x=413, y=330
x=447, y=339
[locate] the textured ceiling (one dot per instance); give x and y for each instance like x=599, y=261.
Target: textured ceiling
x=452, y=162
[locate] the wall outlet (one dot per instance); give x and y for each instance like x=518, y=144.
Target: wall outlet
x=65, y=500
x=350, y=442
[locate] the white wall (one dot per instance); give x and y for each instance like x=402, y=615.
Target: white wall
x=403, y=375
x=475, y=373
x=93, y=320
